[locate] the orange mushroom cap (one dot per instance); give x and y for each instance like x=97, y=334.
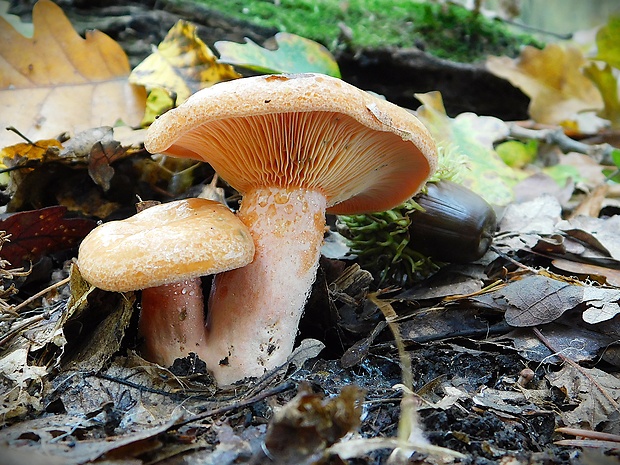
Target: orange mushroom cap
x=164, y=244
x=307, y=131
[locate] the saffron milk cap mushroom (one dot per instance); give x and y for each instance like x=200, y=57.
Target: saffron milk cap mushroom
x=164, y=250
x=295, y=147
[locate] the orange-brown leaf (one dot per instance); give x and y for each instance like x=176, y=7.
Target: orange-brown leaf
x=553, y=80
x=57, y=81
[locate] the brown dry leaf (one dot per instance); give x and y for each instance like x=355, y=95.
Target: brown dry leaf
x=65, y=438
x=303, y=428
x=596, y=394
x=57, y=81
x=101, y=149
x=553, y=80
x=611, y=275
x=600, y=233
x=537, y=300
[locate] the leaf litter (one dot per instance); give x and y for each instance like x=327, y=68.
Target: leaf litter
x=544, y=297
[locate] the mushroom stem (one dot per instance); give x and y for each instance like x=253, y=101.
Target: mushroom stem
x=172, y=321
x=254, y=311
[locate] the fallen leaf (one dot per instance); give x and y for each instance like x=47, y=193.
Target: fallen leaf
x=182, y=65
x=473, y=136
x=91, y=350
x=26, y=156
x=611, y=275
x=558, y=183
x=608, y=42
x=537, y=216
x=56, y=81
x=294, y=54
x=16, y=375
x=98, y=146
x=60, y=437
x=38, y=232
x=517, y=154
x=537, y=300
x=571, y=341
x=553, y=80
x=596, y=394
x=301, y=430
x=607, y=84
x=602, y=304
x=39, y=150
x=600, y=233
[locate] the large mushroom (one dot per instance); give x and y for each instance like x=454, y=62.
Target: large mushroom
x=164, y=250
x=295, y=147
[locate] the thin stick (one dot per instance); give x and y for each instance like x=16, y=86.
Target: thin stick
x=239, y=404
x=24, y=325
x=31, y=299
x=585, y=433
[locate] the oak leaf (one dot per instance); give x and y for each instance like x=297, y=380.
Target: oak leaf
x=181, y=65
x=553, y=80
x=57, y=81
x=294, y=54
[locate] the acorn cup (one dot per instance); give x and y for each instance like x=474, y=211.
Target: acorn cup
x=448, y=223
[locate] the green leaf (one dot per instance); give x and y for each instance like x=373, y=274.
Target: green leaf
x=607, y=85
x=608, y=42
x=561, y=174
x=473, y=136
x=157, y=103
x=612, y=175
x=294, y=54
x=615, y=157
x=517, y=154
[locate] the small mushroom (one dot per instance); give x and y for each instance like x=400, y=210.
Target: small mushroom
x=295, y=147
x=164, y=250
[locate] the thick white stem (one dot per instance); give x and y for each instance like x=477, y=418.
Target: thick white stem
x=172, y=321
x=254, y=311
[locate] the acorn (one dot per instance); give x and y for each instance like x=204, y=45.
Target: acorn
x=455, y=224
x=446, y=223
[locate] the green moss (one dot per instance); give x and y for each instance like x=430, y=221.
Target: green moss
x=446, y=31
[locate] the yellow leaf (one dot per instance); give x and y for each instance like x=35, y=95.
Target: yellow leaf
x=36, y=151
x=182, y=64
x=553, y=80
x=57, y=81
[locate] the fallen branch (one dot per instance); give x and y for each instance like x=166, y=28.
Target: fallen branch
x=601, y=153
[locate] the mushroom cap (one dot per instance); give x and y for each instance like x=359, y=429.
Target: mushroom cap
x=163, y=244
x=308, y=131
